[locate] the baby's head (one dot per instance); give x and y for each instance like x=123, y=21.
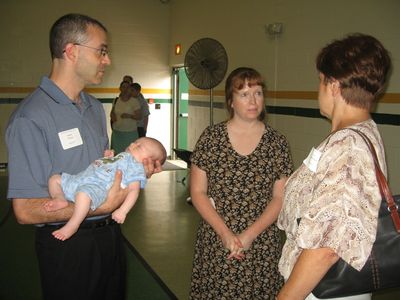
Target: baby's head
x=147, y=147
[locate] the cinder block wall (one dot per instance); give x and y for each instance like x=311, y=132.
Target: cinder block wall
x=287, y=60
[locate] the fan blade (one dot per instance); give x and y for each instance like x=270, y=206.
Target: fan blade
x=206, y=63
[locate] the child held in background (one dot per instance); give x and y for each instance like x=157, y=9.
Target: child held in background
x=89, y=188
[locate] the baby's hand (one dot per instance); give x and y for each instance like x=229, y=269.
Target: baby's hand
x=109, y=153
x=118, y=216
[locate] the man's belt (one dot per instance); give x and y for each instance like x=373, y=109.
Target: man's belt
x=87, y=224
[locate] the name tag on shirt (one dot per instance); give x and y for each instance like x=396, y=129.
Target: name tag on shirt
x=212, y=202
x=70, y=138
x=312, y=159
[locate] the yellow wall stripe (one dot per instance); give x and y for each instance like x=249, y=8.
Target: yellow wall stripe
x=16, y=90
x=98, y=90
x=294, y=95
x=94, y=90
x=303, y=95
x=206, y=92
x=307, y=95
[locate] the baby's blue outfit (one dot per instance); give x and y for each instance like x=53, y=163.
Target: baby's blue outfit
x=97, y=179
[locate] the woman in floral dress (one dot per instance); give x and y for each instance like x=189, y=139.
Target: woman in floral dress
x=239, y=168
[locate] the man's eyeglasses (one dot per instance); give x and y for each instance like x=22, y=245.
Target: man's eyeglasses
x=103, y=50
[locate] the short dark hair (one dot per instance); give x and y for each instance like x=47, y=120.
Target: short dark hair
x=236, y=81
x=70, y=28
x=360, y=64
x=128, y=78
x=136, y=86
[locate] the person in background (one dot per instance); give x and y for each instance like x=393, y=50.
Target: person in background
x=128, y=78
x=331, y=202
x=124, y=116
x=60, y=128
x=124, y=92
x=238, y=171
x=144, y=108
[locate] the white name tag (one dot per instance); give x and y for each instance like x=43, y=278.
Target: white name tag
x=212, y=202
x=70, y=138
x=312, y=159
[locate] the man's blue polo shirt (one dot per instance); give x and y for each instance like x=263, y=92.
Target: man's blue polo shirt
x=37, y=139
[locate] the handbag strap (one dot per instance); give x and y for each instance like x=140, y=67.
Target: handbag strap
x=382, y=183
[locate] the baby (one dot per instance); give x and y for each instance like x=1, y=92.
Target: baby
x=89, y=188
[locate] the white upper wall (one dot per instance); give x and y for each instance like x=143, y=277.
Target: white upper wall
x=287, y=61
x=144, y=32
x=138, y=39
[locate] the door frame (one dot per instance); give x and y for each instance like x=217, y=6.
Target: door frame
x=178, y=115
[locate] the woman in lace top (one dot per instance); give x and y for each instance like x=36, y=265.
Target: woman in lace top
x=331, y=202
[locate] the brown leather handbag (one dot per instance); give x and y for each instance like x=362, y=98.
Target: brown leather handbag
x=381, y=271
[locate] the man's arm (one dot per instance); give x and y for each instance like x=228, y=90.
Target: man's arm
x=31, y=211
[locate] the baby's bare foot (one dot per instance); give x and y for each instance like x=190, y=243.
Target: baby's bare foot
x=64, y=232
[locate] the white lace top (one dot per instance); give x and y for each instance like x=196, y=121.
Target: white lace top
x=337, y=205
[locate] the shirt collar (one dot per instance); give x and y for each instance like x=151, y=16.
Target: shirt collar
x=50, y=88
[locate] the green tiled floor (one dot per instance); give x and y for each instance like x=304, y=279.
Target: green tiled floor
x=19, y=270
x=162, y=227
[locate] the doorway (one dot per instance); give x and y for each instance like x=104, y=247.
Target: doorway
x=180, y=99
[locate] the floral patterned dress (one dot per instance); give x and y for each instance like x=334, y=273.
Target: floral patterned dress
x=241, y=187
